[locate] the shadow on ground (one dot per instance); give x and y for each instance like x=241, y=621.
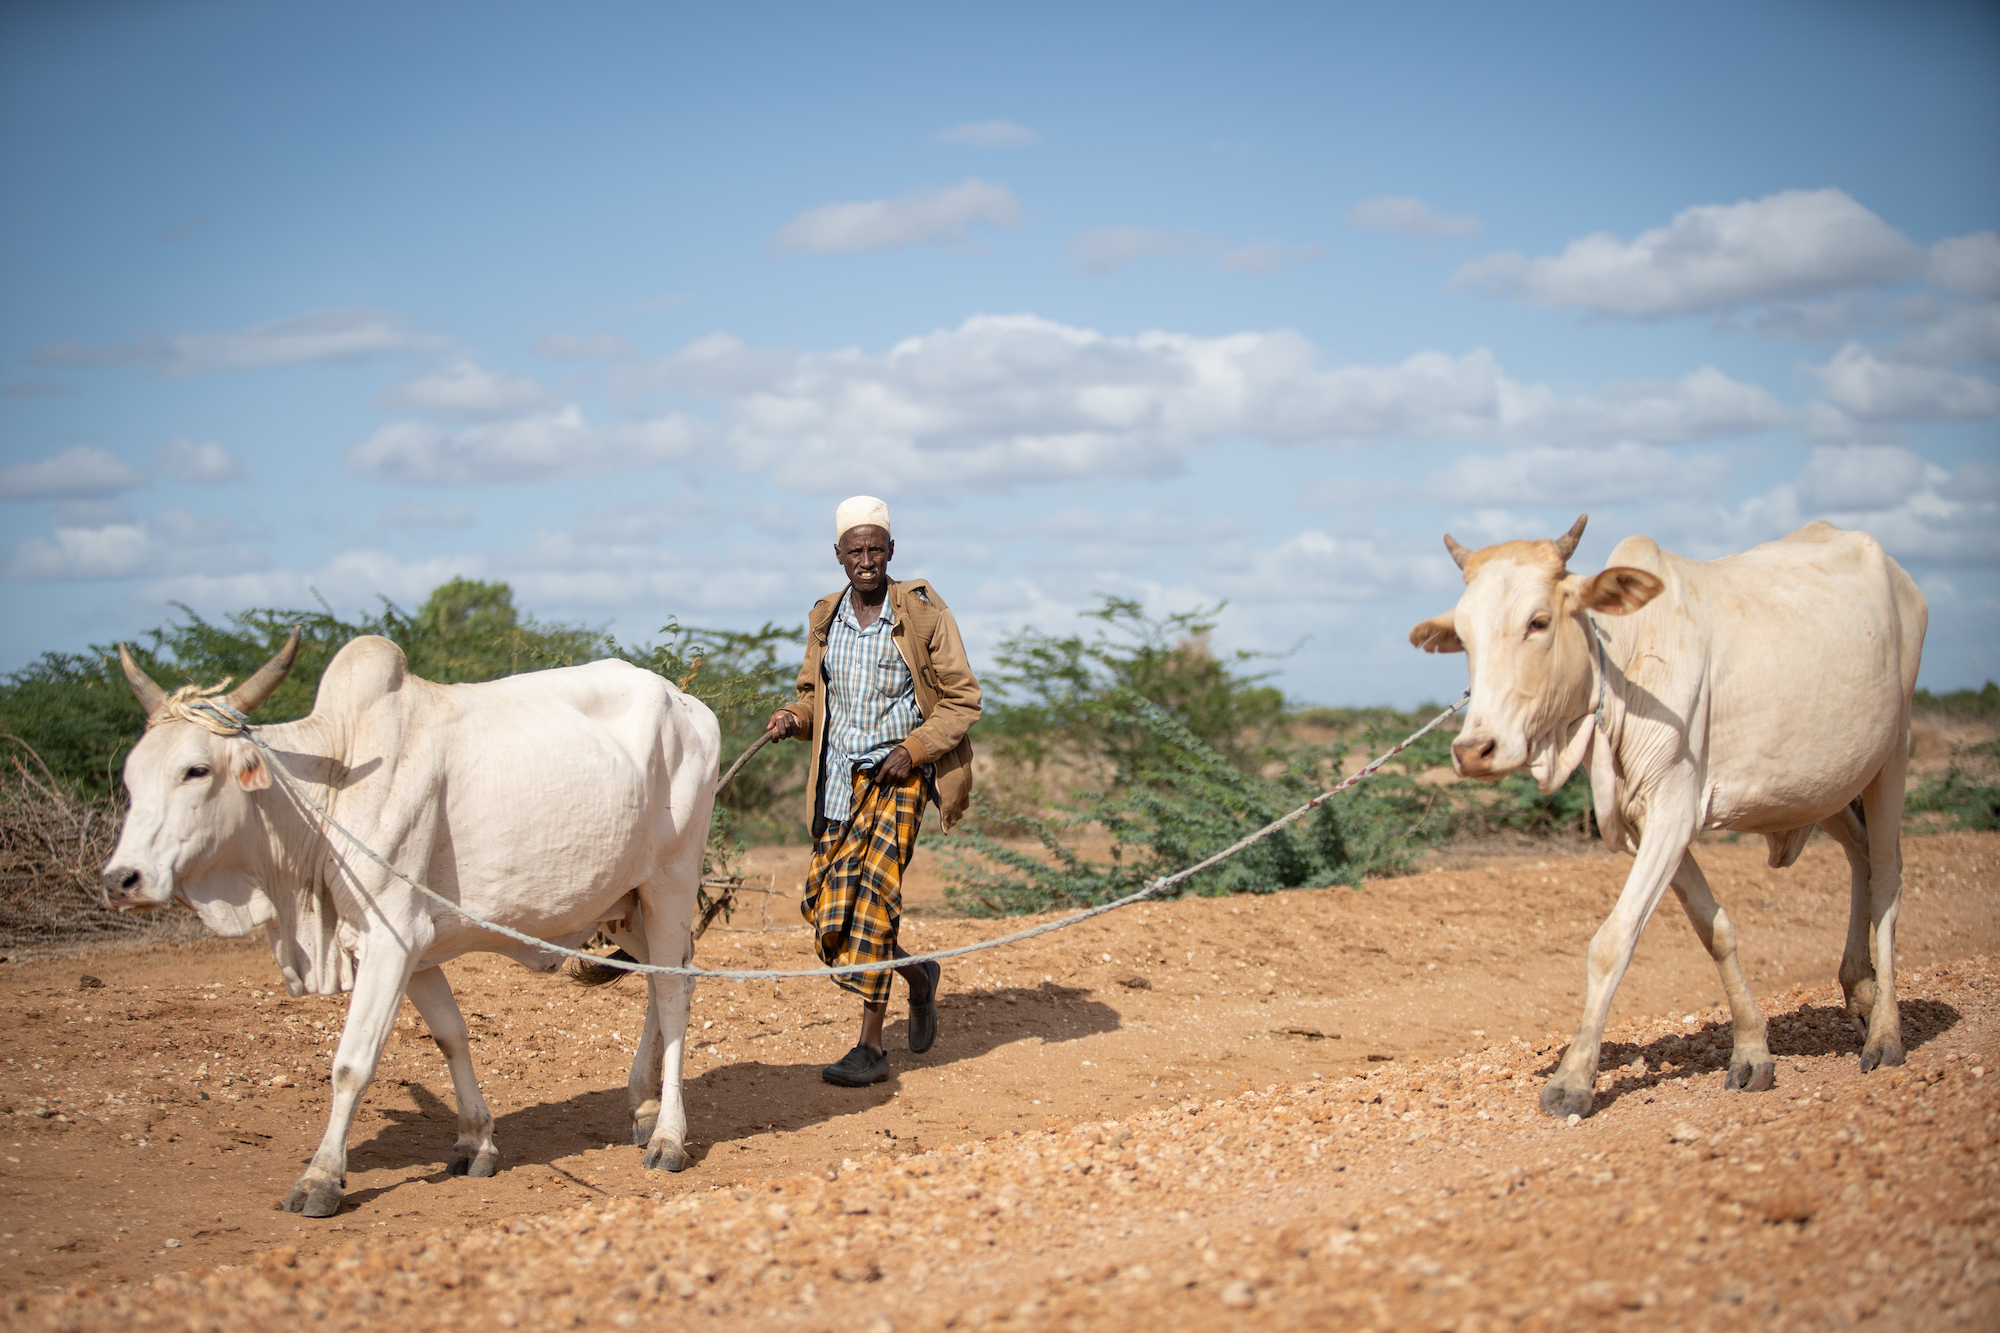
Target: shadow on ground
x=736, y=1101
x=1810, y=1030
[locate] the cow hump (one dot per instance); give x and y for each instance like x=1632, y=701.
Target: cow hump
x=366, y=669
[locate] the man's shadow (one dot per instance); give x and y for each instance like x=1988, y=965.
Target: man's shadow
x=735, y=1101
x=1805, y=1031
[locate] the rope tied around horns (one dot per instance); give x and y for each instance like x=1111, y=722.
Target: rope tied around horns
x=205, y=707
x=207, y=710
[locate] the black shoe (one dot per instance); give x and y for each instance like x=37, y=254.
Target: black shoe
x=923, y=1013
x=858, y=1068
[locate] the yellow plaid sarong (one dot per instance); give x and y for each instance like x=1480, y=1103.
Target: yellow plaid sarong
x=854, y=890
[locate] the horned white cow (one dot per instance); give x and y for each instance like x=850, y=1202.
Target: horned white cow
x=557, y=803
x=1767, y=692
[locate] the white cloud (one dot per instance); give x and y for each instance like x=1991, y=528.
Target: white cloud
x=91, y=513
x=119, y=550
x=574, y=347
x=1618, y=474
x=1108, y=249
x=1268, y=256
x=1788, y=246
x=344, y=335
x=184, y=460
x=170, y=542
x=352, y=581
x=717, y=365
x=559, y=443
x=464, y=390
x=1409, y=216
x=1018, y=399
x=78, y=472
x=1952, y=336
x=427, y=516
x=1968, y=265
x=989, y=134
x=1864, y=478
x=934, y=216
x=1865, y=385
x=1921, y=513
x=1833, y=320
x=1319, y=567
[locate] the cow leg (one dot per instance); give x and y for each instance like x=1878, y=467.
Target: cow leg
x=669, y=934
x=371, y=1014
x=1857, y=973
x=1574, y=1085
x=1750, y=1065
x=642, y=1087
x=474, y=1154
x=1882, y=804
x=666, y=1146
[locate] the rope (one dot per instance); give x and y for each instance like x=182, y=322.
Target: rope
x=237, y=724
x=1603, y=675
x=184, y=705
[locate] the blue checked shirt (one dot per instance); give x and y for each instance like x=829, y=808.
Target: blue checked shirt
x=871, y=702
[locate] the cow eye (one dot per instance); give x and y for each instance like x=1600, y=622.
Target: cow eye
x=1539, y=623
x=198, y=771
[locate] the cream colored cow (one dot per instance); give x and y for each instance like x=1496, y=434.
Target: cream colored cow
x=557, y=803
x=1766, y=692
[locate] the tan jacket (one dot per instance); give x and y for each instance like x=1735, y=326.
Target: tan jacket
x=947, y=693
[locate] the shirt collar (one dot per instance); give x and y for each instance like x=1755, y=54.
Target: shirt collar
x=845, y=612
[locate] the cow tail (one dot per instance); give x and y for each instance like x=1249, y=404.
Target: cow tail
x=601, y=974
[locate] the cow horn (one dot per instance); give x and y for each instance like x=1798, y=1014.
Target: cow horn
x=150, y=696
x=1566, y=544
x=1458, y=553
x=258, y=688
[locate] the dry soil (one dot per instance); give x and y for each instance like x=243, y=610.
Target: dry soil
x=1310, y=1109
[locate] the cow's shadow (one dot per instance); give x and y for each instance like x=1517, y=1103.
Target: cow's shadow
x=734, y=1101
x=1808, y=1030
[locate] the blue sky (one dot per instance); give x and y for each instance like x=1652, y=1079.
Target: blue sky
x=1247, y=303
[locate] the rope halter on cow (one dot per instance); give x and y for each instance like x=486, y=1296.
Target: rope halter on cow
x=186, y=704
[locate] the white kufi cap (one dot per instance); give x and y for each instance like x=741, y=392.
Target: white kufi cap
x=860, y=511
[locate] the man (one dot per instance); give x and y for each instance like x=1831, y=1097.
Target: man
x=886, y=697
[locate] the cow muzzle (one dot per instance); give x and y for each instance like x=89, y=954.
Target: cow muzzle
x=129, y=888
x=1477, y=757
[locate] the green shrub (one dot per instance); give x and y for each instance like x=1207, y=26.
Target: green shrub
x=1982, y=702
x=743, y=677
x=1177, y=801
x=1064, y=696
x=1965, y=794
x=76, y=711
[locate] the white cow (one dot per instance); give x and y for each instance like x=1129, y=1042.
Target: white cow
x=1767, y=692
x=556, y=803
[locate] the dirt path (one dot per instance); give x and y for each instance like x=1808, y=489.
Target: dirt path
x=131, y=1173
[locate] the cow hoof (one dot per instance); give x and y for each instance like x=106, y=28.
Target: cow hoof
x=665, y=1157
x=484, y=1165
x=458, y=1166
x=314, y=1198
x=642, y=1131
x=1745, y=1076
x=1888, y=1055
x=1563, y=1102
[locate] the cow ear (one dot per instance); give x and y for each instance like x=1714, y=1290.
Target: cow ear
x=252, y=773
x=1437, y=635
x=1620, y=590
